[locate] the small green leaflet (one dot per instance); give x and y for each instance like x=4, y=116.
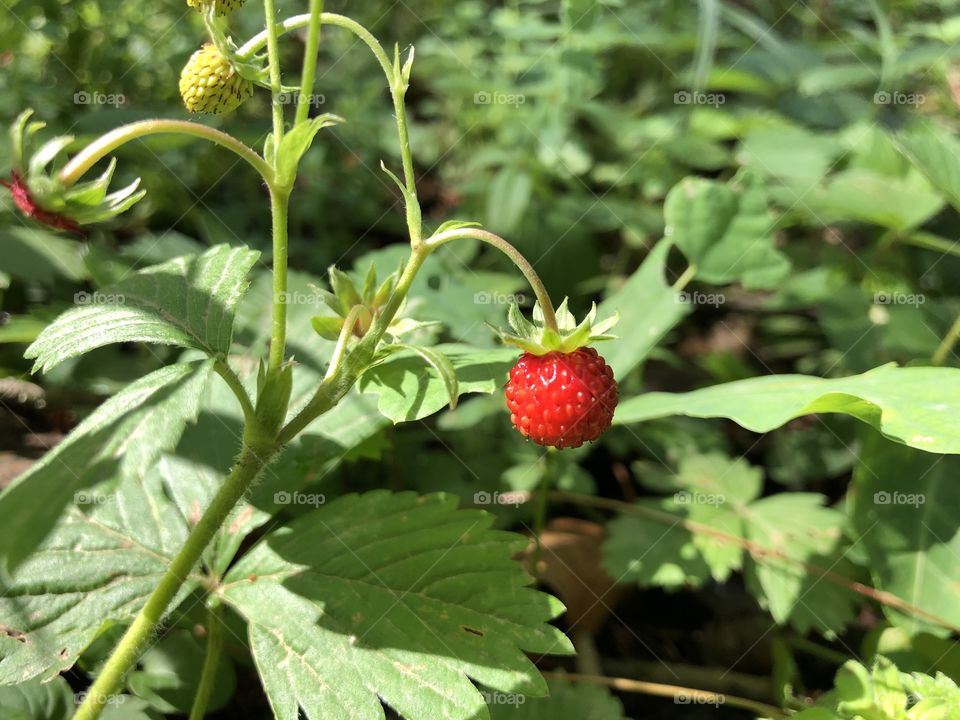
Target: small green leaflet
x=189, y=302
x=726, y=231
x=904, y=513
x=409, y=595
x=408, y=389
x=122, y=438
x=915, y=406
x=92, y=570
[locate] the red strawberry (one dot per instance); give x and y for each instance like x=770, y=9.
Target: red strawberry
x=562, y=399
x=25, y=202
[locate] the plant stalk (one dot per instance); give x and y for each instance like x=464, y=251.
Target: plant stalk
x=211, y=660
x=273, y=53
x=279, y=204
x=107, y=143
x=135, y=639
x=946, y=346
x=308, y=77
x=539, y=290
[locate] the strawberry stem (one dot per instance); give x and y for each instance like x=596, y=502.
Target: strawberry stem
x=309, y=62
x=523, y=265
x=108, y=142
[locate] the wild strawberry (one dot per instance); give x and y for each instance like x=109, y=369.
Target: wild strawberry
x=209, y=83
x=562, y=399
x=561, y=393
x=220, y=7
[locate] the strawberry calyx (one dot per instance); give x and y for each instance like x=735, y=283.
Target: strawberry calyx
x=538, y=338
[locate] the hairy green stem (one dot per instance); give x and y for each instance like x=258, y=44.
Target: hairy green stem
x=346, y=332
x=135, y=639
x=107, y=143
x=257, y=42
x=279, y=203
x=211, y=660
x=230, y=377
x=310, y=53
x=523, y=265
x=273, y=53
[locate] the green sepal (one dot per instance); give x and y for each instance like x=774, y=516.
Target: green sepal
x=327, y=327
x=295, y=144
x=344, y=290
x=538, y=339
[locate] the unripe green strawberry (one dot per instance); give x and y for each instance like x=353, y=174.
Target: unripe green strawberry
x=221, y=7
x=210, y=84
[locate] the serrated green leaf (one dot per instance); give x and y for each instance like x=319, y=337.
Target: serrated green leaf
x=934, y=151
x=409, y=392
x=904, y=515
x=122, y=438
x=93, y=570
x=646, y=305
x=189, y=302
x=409, y=594
x=567, y=701
x=725, y=231
x=915, y=406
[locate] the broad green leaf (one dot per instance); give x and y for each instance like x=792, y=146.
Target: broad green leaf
x=410, y=596
x=649, y=308
x=915, y=406
x=799, y=526
x=935, y=152
x=189, y=302
x=567, y=701
x=93, y=570
x=122, y=438
x=408, y=390
x=726, y=231
x=40, y=255
x=441, y=365
x=34, y=700
x=905, y=515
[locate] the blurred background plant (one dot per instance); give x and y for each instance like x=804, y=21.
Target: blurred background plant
x=562, y=125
